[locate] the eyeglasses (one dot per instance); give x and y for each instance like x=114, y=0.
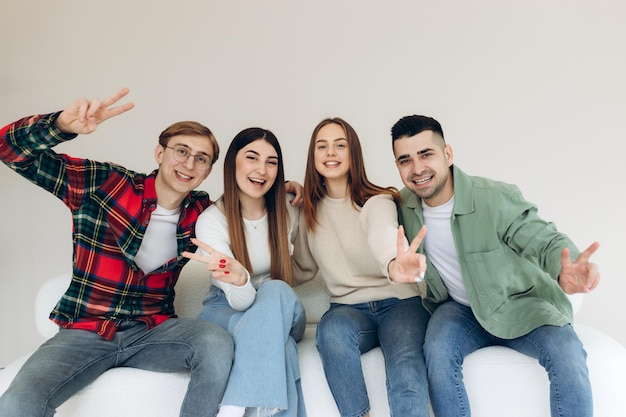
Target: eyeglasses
x=181, y=154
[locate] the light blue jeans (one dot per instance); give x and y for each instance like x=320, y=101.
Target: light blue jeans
x=265, y=373
x=453, y=333
x=398, y=327
x=72, y=359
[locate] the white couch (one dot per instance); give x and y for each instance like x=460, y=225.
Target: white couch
x=500, y=382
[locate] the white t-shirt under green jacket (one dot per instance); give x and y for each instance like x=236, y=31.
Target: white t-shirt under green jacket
x=352, y=247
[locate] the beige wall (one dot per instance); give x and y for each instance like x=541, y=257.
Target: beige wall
x=530, y=92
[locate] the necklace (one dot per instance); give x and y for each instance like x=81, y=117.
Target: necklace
x=255, y=223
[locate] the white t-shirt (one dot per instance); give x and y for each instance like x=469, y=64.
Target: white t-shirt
x=159, y=243
x=441, y=250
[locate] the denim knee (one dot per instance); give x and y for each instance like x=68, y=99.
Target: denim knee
x=332, y=332
x=279, y=291
x=22, y=403
x=215, y=342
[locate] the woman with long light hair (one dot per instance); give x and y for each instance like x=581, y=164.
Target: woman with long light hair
x=350, y=233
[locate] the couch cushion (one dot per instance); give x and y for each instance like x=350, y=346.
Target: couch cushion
x=47, y=297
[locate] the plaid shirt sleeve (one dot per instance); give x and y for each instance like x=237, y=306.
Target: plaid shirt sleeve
x=25, y=147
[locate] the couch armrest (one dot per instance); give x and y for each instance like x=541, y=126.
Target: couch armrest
x=47, y=297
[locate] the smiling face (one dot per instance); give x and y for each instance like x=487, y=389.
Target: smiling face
x=176, y=179
x=256, y=166
x=332, y=155
x=424, y=162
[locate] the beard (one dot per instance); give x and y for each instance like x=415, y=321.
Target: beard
x=431, y=191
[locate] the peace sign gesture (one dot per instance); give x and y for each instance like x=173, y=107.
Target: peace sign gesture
x=580, y=275
x=84, y=115
x=223, y=267
x=408, y=266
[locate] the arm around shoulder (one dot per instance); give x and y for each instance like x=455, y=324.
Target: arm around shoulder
x=302, y=260
x=379, y=218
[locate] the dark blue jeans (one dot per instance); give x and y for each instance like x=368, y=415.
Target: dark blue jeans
x=398, y=327
x=453, y=333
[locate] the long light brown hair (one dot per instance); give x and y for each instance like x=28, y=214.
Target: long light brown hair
x=359, y=187
x=275, y=204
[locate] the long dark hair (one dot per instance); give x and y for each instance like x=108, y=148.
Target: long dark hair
x=275, y=204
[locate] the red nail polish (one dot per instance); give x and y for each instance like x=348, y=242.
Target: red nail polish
x=222, y=266
x=222, y=261
x=226, y=272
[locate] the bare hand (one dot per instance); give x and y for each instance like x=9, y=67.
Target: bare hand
x=579, y=276
x=83, y=116
x=296, y=189
x=409, y=266
x=222, y=267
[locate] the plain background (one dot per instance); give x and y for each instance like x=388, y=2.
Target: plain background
x=532, y=93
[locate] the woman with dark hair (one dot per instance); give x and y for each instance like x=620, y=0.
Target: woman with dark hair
x=350, y=232
x=245, y=240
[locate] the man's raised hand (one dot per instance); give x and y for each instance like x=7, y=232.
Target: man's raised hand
x=579, y=276
x=84, y=115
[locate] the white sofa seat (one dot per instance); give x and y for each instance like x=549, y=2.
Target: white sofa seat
x=500, y=382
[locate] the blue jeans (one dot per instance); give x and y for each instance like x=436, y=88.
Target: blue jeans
x=72, y=359
x=453, y=333
x=265, y=373
x=398, y=326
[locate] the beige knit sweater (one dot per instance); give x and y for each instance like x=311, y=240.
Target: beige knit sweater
x=351, y=249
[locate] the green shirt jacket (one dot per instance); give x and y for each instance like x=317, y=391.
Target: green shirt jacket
x=510, y=258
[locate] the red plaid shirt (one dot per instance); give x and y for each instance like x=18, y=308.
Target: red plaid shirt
x=111, y=207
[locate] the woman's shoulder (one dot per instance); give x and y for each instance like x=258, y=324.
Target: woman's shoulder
x=380, y=197
x=379, y=200
x=379, y=206
x=215, y=212
x=211, y=226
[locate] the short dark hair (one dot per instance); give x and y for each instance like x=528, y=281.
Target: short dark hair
x=412, y=125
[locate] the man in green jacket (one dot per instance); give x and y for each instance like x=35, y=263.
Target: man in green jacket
x=497, y=273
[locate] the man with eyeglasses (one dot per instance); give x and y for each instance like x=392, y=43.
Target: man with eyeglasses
x=129, y=230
